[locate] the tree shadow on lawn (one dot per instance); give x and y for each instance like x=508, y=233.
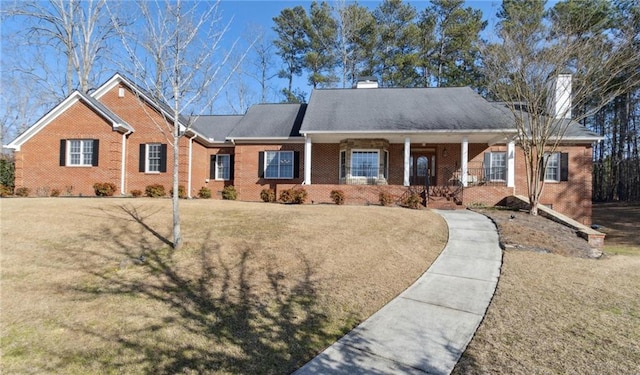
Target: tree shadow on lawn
x=215, y=312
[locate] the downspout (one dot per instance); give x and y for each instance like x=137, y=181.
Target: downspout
x=123, y=167
x=190, y=163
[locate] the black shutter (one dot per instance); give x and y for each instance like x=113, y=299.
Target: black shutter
x=487, y=167
x=143, y=162
x=564, y=166
x=231, y=166
x=296, y=164
x=212, y=167
x=261, y=164
x=163, y=158
x=96, y=152
x=63, y=152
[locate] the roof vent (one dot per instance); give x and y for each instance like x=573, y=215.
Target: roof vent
x=367, y=83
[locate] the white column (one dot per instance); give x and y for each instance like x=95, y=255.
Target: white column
x=189, y=167
x=307, y=160
x=464, y=159
x=407, y=160
x=123, y=167
x=511, y=164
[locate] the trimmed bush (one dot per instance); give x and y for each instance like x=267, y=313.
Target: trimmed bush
x=104, y=189
x=182, y=192
x=337, y=196
x=136, y=193
x=5, y=191
x=55, y=192
x=385, y=198
x=412, y=201
x=294, y=196
x=154, y=191
x=23, y=191
x=229, y=193
x=204, y=193
x=268, y=195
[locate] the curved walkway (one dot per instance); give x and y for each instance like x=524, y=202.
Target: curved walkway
x=427, y=327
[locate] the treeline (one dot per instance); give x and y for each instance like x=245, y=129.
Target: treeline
x=332, y=45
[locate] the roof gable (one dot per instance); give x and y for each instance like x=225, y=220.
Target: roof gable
x=270, y=121
x=116, y=122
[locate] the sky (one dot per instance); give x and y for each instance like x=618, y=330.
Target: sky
x=243, y=17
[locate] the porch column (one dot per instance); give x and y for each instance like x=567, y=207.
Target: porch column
x=407, y=160
x=511, y=164
x=307, y=160
x=464, y=159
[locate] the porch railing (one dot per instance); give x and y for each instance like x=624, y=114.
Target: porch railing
x=478, y=176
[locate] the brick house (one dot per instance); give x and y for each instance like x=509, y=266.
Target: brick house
x=449, y=144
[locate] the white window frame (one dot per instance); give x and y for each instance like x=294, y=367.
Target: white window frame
x=277, y=156
x=147, y=157
x=369, y=151
x=81, y=154
x=550, y=158
x=503, y=167
x=226, y=167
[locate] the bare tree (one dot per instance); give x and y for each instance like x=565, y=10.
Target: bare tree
x=180, y=63
x=260, y=63
x=523, y=73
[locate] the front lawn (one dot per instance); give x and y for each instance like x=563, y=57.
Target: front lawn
x=92, y=286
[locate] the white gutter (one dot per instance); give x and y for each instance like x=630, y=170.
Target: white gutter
x=124, y=162
x=190, y=164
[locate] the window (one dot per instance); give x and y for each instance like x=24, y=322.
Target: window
x=495, y=166
x=343, y=164
x=153, y=158
x=79, y=152
x=557, y=167
x=223, y=169
x=364, y=164
x=279, y=164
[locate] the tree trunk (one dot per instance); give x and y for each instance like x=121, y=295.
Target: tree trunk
x=177, y=232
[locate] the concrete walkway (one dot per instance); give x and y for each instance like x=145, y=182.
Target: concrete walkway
x=427, y=327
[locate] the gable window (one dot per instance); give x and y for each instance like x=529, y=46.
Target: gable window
x=278, y=164
x=557, y=167
x=79, y=152
x=221, y=167
x=495, y=166
x=365, y=164
x=153, y=158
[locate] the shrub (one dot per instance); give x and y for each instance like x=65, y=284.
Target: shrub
x=385, y=198
x=182, y=192
x=23, y=191
x=229, y=193
x=5, y=191
x=204, y=193
x=268, y=195
x=154, y=191
x=295, y=196
x=136, y=193
x=412, y=201
x=104, y=189
x=337, y=196
x=7, y=171
x=55, y=192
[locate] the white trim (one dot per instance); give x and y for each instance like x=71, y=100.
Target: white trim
x=464, y=160
x=123, y=170
x=407, y=161
x=412, y=131
x=307, y=161
x=216, y=175
x=265, y=165
x=511, y=164
x=146, y=157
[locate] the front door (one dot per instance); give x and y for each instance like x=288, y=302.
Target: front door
x=422, y=169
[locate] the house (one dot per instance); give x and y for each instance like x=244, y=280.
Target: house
x=449, y=144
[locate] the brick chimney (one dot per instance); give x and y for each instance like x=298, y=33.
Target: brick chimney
x=560, y=96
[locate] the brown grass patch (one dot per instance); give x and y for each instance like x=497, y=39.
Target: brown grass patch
x=556, y=314
x=91, y=285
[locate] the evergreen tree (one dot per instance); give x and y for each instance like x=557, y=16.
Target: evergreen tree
x=321, y=57
x=292, y=45
x=356, y=42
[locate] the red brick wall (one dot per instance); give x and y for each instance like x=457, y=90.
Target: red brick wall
x=38, y=162
x=247, y=182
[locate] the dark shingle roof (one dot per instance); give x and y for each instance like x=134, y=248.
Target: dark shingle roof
x=216, y=127
x=270, y=121
x=111, y=116
x=402, y=109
